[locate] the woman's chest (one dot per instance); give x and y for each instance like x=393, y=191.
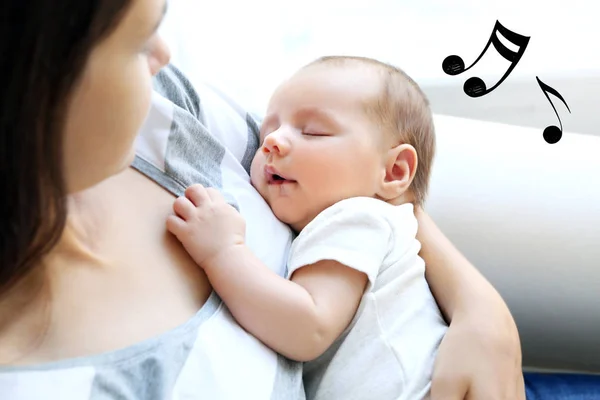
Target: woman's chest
x=137, y=283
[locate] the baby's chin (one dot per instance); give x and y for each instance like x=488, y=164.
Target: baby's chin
x=284, y=214
x=296, y=219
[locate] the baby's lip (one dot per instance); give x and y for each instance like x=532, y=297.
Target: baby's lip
x=275, y=177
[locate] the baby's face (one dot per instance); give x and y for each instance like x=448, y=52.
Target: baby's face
x=318, y=146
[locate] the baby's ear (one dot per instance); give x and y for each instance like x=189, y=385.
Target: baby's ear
x=400, y=168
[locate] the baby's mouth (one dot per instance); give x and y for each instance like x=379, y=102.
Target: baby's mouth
x=275, y=178
x=278, y=180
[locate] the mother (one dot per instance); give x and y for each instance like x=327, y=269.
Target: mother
x=96, y=299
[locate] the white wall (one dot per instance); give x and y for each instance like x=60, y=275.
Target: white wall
x=250, y=46
x=527, y=214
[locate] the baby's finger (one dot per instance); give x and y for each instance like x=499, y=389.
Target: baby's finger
x=197, y=194
x=184, y=208
x=175, y=225
x=215, y=195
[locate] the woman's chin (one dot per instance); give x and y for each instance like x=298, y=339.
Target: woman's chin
x=129, y=159
x=83, y=183
x=127, y=162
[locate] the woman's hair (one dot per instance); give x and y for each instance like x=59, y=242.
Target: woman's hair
x=44, y=48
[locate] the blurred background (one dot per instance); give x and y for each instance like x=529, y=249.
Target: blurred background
x=526, y=213
x=249, y=47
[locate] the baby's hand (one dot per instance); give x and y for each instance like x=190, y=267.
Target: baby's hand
x=205, y=224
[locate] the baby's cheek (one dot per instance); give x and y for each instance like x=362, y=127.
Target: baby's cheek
x=255, y=168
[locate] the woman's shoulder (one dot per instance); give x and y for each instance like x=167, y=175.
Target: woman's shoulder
x=195, y=133
x=209, y=356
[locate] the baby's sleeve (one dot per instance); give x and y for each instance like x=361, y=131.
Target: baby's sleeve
x=352, y=232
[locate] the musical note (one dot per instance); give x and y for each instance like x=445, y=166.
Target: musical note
x=475, y=87
x=552, y=133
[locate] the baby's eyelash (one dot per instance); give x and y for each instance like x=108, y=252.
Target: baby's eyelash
x=314, y=134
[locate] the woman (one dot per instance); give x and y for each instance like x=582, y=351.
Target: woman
x=96, y=299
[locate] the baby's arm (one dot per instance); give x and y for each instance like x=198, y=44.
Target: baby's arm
x=299, y=318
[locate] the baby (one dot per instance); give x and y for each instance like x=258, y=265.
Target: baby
x=345, y=156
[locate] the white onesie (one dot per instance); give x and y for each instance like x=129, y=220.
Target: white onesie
x=388, y=351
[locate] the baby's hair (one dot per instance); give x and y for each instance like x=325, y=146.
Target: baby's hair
x=402, y=109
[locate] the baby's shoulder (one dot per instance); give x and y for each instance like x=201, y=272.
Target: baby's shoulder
x=362, y=214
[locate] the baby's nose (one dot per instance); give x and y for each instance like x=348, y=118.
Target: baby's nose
x=276, y=143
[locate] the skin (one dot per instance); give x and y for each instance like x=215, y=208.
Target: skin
x=317, y=135
x=82, y=299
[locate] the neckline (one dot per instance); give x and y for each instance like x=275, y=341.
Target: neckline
x=212, y=305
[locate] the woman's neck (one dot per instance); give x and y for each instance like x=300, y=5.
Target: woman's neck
x=26, y=307
x=88, y=219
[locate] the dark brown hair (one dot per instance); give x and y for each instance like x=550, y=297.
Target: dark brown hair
x=44, y=47
x=402, y=109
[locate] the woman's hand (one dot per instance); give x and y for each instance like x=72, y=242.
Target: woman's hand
x=480, y=355
x=205, y=224
x=479, y=358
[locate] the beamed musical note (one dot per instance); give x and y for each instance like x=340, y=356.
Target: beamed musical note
x=475, y=86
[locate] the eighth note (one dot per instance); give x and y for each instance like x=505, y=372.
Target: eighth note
x=475, y=87
x=552, y=133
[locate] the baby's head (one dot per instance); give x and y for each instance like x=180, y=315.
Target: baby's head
x=343, y=127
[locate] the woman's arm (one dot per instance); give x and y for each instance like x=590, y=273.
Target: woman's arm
x=454, y=281
x=480, y=356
